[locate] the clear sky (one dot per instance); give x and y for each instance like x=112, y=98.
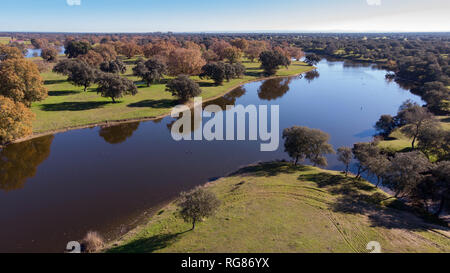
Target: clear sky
x=224, y=15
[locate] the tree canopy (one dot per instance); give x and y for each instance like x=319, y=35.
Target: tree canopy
x=114, y=86
x=183, y=87
x=305, y=143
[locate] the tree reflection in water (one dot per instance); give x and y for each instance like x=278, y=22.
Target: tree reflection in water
x=222, y=102
x=228, y=99
x=312, y=75
x=118, y=133
x=19, y=161
x=274, y=88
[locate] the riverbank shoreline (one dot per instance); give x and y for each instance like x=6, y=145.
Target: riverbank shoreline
x=252, y=180
x=108, y=123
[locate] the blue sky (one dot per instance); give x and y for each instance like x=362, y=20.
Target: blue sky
x=224, y=15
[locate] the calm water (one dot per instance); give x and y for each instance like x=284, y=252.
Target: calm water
x=33, y=52
x=56, y=188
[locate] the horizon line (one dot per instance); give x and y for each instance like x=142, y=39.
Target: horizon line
x=229, y=32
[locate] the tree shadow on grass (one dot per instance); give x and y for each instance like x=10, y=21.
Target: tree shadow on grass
x=207, y=84
x=253, y=73
x=338, y=184
x=359, y=197
x=270, y=169
x=148, y=245
x=62, y=93
x=73, y=106
x=164, y=103
x=48, y=82
x=378, y=215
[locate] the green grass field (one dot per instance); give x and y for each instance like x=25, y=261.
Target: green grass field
x=5, y=40
x=68, y=106
x=276, y=207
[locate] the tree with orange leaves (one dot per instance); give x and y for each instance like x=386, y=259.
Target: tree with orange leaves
x=240, y=43
x=9, y=52
x=185, y=61
x=254, y=49
x=20, y=80
x=130, y=49
x=15, y=120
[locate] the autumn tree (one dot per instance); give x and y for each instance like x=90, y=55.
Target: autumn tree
x=197, y=204
x=345, y=155
x=114, y=86
x=240, y=43
x=232, y=54
x=185, y=61
x=210, y=56
x=92, y=58
x=9, y=52
x=304, y=143
x=130, y=50
x=183, y=88
x=255, y=49
x=107, y=51
x=295, y=52
x=39, y=43
x=271, y=60
x=219, y=47
x=15, y=120
x=20, y=80
x=159, y=48
x=49, y=54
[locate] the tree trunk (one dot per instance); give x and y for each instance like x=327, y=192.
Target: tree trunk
x=296, y=160
x=413, y=142
x=441, y=207
x=359, y=172
x=415, y=136
x=85, y=88
x=114, y=101
x=378, y=181
x=193, y=224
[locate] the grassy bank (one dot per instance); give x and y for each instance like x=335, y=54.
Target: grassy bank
x=399, y=142
x=68, y=106
x=276, y=207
